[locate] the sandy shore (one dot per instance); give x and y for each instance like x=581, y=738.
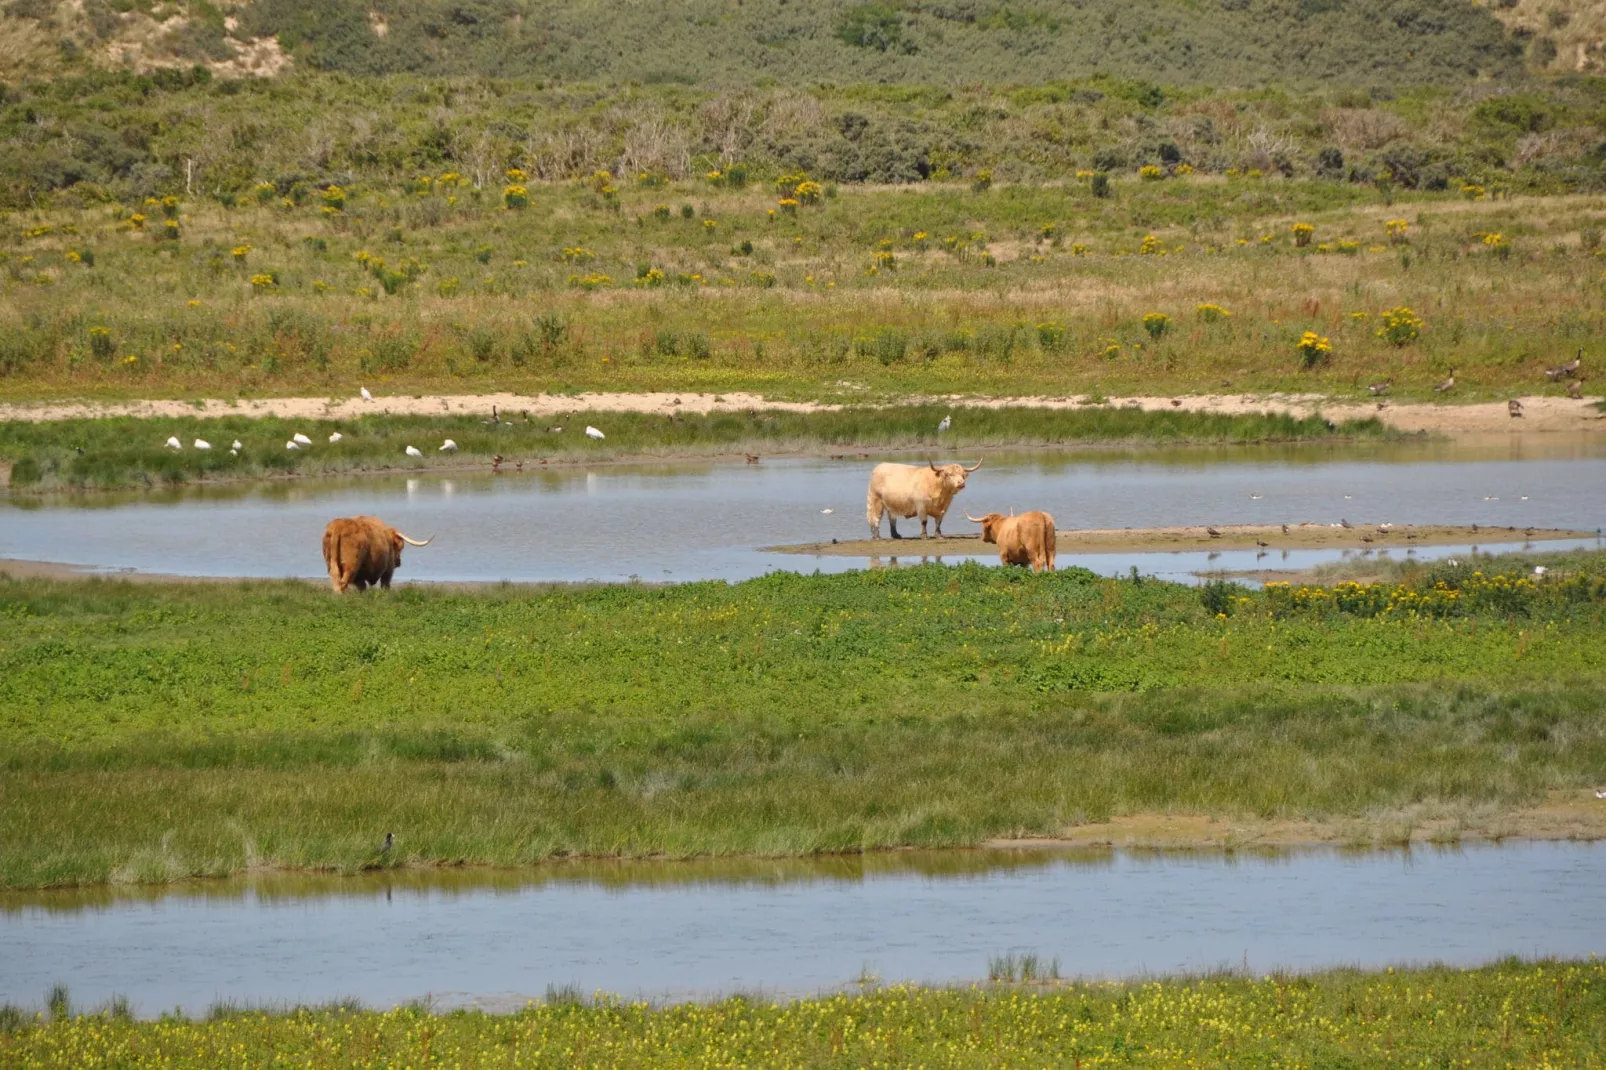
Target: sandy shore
x=1539, y=413
x=1232, y=537
x=1569, y=815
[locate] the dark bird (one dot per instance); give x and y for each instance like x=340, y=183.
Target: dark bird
x=518, y=466
x=1447, y=385
x=554, y=430
x=1570, y=369
x=1366, y=538
x=1514, y=407
x=1176, y=403
x=1262, y=543
x=495, y=417
x=79, y=450
x=390, y=841
x=1213, y=533
x=1285, y=529
x=1381, y=405
x=1379, y=389
x=752, y=458
x=1474, y=530
x=1344, y=523
x=496, y=462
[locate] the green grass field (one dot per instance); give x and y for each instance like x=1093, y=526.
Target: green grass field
x=132, y=452
x=157, y=732
x=1548, y=1014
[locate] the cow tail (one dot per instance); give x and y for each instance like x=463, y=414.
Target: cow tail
x=872, y=509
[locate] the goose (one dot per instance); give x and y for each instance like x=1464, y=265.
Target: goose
x=335, y=436
x=592, y=432
x=1381, y=405
x=495, y=418
x=1447, y=385
x=1570, y=369
x=752, y=458
x=1575, y=389
x=300, y=438
x=448, y=447
x=946, y=423
x=414, y=451
x=1380, y=388
x=202, y=444
x=366, y=396
x=173, y=443
x=554, y=430
x=1514, y=407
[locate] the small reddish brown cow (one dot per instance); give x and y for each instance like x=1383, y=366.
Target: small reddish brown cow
x=1027, y=539
x=363, y=550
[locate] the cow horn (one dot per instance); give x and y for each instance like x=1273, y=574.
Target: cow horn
x=934, y=467
x=973, y=467
x=415, y=542
x=974, y=519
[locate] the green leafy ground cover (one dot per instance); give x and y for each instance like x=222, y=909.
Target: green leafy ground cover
x=1546, y=1014
x=155, y=732
x=130, y=452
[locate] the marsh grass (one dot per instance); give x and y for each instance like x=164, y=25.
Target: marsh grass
x=1024, y=967
x=157, y=732
x=1512, y=1012
x=131, y=452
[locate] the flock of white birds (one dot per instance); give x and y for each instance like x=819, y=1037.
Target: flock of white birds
x=298, y=440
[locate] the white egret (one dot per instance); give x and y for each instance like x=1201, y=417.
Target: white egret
x=366, y=396
x=448, y=446
x=414, y=451
x=291, y=445
x=592, y=432
x=202, y=444
x=173, y=443
x=947, y=422
x=300, y=438
x=335, y=436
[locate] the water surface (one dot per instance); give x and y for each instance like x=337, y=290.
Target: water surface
x=688, y=930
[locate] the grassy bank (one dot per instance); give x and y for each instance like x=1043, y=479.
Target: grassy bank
x=156, y=732
x=1185, y=284
x=1512, y=1013
x=124, y=452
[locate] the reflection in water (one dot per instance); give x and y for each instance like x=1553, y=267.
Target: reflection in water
x=701, y=520
x=692, y=929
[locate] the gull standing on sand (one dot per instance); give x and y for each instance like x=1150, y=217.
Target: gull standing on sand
x=366, y=396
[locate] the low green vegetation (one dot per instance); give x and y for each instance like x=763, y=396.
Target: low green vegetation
x=129, y=452
x=1549, y=1014
x=156, y=732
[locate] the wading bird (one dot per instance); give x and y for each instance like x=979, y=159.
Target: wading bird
x=414, y=451
x=592, y=432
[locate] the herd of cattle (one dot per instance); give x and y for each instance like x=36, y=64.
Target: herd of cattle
x=364, y=551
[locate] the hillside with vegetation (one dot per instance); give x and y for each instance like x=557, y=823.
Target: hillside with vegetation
x=727, y=42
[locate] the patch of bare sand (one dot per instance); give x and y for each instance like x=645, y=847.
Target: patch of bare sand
x=1305, y=536
x=1540, y=413
x=1564, y=815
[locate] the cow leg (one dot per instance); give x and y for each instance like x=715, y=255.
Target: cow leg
x=923, y=518
x=892, y=524
x=362, y=584
x=384, y=579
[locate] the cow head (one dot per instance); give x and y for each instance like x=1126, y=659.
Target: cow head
x=952, y=476
x=989, y=525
